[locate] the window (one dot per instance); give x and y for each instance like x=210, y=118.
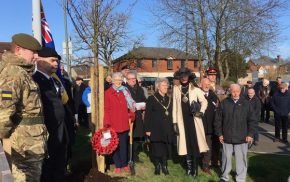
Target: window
x=170, y=63
x=154, y=63
x=195, y=63
x=139, y=63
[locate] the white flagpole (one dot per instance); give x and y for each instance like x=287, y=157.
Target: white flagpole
x=36, y=20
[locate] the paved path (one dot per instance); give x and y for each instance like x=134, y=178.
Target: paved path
x=266, y=144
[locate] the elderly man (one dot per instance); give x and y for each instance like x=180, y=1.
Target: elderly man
x=264, y=96
x=235, y=126
x=256, y=105
x=208, y=121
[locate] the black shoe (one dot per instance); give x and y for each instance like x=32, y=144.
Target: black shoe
x=276, y=139
x=157, y=169
x=190, y=169
x=285, y=141
x=165, y=170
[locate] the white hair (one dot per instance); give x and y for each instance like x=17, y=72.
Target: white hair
x=159, y=81
x=235, y=85
x=117, y=75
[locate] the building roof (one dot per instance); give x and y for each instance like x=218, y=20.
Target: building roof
x=81, y=71
x=5, y=46
x=265, y=60
x=156, y=53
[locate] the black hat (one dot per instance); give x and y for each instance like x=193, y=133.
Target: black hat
x=125, y=67
x=79, y=78
x=48, y=52
x=184, y=72
x=26, y=41
x=211, y=71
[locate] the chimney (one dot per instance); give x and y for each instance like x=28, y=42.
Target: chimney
x=278, y=58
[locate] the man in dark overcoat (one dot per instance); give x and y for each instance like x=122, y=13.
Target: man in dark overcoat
x=54, y=116
x=208, y=121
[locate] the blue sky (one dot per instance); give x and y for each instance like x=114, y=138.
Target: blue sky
x=16, y=17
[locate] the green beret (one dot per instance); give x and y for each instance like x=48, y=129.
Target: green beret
x=26, y=41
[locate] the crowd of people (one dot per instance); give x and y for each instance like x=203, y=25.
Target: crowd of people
x=204, y=122
x=198, y=121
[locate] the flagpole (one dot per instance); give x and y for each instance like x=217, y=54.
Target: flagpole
x=36, y=20
x=66, y=38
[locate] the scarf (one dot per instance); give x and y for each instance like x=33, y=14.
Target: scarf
x=129, y=99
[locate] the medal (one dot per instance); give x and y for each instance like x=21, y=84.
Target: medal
x=184, y=99
x=166, y=113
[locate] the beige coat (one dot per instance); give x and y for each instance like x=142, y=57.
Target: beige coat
x=197, y=95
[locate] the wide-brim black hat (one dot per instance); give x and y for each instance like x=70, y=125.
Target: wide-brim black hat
x=184, y=72
x=48, y=52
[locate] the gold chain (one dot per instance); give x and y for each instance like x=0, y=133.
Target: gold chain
x=162, y=104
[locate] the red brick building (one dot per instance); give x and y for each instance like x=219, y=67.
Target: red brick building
x=4, y=46
x=156, y=62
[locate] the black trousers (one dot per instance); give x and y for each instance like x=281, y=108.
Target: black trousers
x=53, y=169
x=207, y=156
x=281, y=122
x=120, y=155
x=265, y=108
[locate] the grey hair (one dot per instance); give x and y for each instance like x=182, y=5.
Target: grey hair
x=158, y=81
x=117, y=75
x=234, y=85
x=132, y=72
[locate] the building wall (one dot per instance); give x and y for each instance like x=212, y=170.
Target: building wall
x=146, y=65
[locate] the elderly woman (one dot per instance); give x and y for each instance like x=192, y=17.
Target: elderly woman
x=158, y=125
x=119, y=108
x=188, y=124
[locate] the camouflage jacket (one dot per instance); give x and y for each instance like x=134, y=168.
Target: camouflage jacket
x=19, y=97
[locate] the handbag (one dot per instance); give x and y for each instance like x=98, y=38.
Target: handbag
x=195, y=107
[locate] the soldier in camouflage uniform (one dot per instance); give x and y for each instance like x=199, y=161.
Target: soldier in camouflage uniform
x=21, y=117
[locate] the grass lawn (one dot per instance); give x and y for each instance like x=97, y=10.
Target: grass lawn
x=262, y=167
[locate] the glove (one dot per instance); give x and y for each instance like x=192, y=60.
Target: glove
x=175, y=129
x=198, y=114
x=107, y=126
x=131, y=116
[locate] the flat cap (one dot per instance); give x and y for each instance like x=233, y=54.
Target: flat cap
x=211, y=71
x=26, y=41
x=125, y=67
x=48, y=52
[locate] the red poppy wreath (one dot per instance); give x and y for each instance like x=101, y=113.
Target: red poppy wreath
x=105, y=141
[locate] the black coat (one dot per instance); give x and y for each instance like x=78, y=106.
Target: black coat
x=256, y=105
x=137, y=94
x=77, y=97
x=54, y=113
x=235, y=121
x=281, y=103
x=156, y=121
x=208, y=117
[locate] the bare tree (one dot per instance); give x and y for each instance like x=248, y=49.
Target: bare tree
x=102, y=29
x=208, y=27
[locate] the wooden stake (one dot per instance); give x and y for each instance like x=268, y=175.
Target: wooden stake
x=101, y=158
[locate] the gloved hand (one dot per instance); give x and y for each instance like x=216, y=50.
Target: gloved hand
x=131, y=116
x=198, y=114
x=175, y=129
x=107, y=125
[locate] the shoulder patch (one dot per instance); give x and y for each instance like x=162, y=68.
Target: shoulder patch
x=6, y=95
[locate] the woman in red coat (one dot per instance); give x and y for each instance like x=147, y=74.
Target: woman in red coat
x=119, y=107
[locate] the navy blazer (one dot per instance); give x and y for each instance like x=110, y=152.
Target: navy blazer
x=53, y=111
